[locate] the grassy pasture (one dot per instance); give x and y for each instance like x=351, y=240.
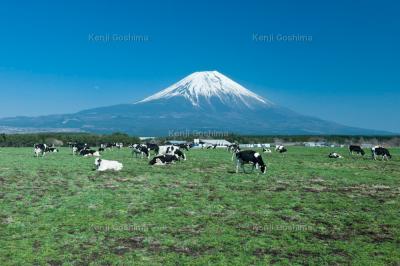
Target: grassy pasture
x=307, y=209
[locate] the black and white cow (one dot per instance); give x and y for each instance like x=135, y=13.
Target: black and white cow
x=184, y=146
x=106, y=146
x=250, y=157
x=356, y=149
x=139, y=149
x=40, y=149
x=164, y=159
x=380, y=151
x=280, y=149
x=88, y=152
x=152, y=147
x=78, y=147
x=171, y=150
x=52, y=149
x=234, y=148
x=335, y=155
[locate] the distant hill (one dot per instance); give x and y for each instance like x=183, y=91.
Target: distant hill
x=202, y=101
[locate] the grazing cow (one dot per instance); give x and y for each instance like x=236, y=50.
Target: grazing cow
x=87, y=153
x=356, y=149
x=250, y=157
x=140, y=149
x=40, y=149
x=380, y=151
x=78, y=147
x=152, y=147
x=265, y=150
x=101, y=149
x=52, y=149
x=234, y=148
x=335, y=155
x=104, y=165
x=180, y=155
x=164, y=159
x=184, y=146
x=280, y=149
x=171, y=150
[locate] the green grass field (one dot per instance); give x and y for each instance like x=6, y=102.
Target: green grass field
x=307, y=209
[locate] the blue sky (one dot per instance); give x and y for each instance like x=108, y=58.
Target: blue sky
x=349, y=72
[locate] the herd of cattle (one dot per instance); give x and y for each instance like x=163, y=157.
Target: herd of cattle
x=168, y=154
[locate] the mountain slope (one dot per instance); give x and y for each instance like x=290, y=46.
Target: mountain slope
x=200, y=102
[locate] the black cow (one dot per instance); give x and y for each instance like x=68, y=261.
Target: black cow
x=250, y=157
x=164, y=159
x=380, y=151
x=356, y=149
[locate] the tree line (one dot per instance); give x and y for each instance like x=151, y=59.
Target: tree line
x=62, y=139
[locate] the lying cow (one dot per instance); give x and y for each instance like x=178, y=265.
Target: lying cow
x=164, y=159
x=87, y=153
x=104, y=165
x=356, y=149
x=280, y=149
x=250, y=157
x=335, y=155
x=380, y=151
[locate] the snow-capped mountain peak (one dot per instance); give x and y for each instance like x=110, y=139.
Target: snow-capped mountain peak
x=202, y=87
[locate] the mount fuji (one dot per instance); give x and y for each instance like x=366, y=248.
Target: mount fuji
x=201, y=102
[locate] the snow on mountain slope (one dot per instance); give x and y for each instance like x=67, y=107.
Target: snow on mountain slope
x=201, y=87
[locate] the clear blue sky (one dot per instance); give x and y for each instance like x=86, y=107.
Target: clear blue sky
x=349, y=72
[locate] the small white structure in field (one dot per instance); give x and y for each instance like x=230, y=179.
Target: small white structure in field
x=104, y=165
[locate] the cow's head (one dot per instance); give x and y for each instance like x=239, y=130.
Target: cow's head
x=97, y=162
x=180, y=154
x=263, y=169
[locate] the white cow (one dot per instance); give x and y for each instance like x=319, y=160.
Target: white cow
x=104, y=165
